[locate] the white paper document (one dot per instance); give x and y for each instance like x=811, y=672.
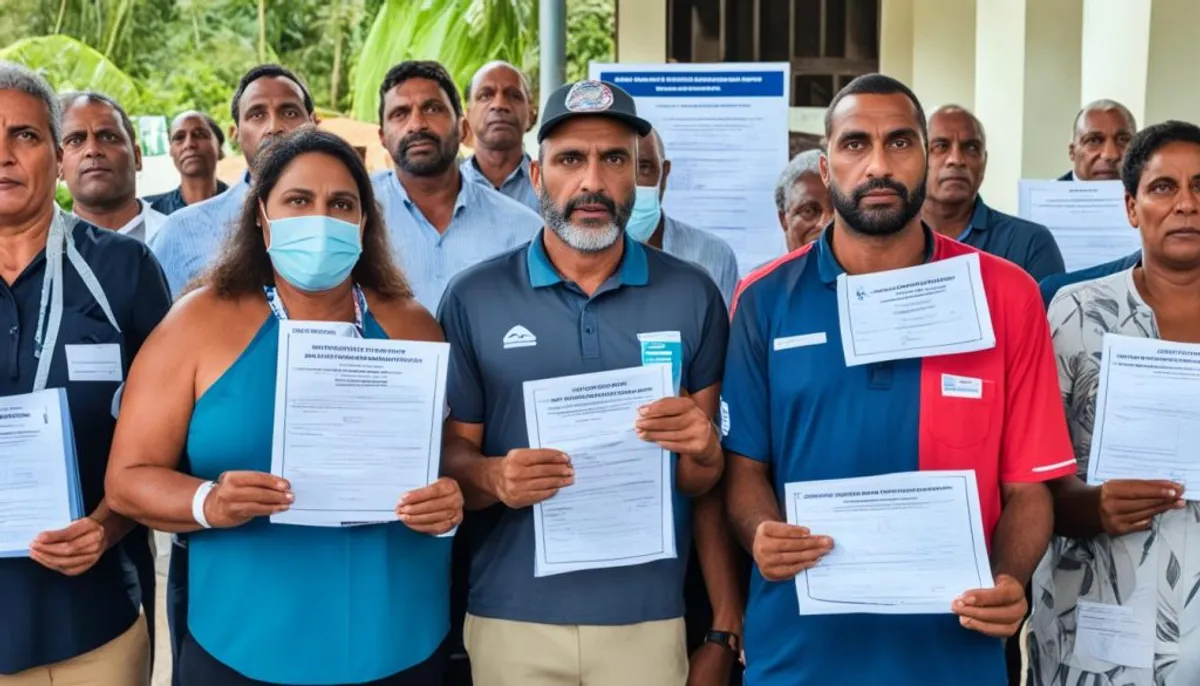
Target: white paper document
x=358, y=423
x=938, y=308
x=619, y=511
x=701, y=111
x=1087, y=218
x=1147, y=413
x=39, y=478
x=1115, y=634
x=906, y=543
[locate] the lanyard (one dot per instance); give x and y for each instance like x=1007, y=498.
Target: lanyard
x=60, y=241
x=360, y=307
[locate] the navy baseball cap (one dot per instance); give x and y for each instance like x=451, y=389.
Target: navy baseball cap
x=590, y=99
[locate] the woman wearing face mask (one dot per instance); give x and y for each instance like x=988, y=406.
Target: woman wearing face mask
x=277, y=604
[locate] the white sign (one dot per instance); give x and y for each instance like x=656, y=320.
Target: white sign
x=1087, y=219
x=725, y=129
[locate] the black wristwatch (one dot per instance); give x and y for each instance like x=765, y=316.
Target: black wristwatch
x=724, y=639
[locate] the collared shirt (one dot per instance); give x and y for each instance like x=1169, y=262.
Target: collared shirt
x=170, y=203
x=1050, y=286
x=695, y=245
x=146, y=225
x=484, y=224
x=45, y=616
x=514, y=319
x=517, y=186
x=805, y=414
x=1028, y=245
x=1105, y=569
x=191, y=238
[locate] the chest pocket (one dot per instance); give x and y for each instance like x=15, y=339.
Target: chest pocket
x=962, y=398
x=85, y=329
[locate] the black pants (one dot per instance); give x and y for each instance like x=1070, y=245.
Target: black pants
x=177, y=603
x=198, y=668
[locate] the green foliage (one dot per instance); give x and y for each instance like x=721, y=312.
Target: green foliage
x=461, y=34
x=166, y=56
x=71, y=65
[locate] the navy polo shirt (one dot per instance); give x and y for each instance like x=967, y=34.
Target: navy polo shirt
x=172, y=202
x=1051, y=286
x=790, y=401
x=513, y=319
x=1028, y=245
x=46, y=617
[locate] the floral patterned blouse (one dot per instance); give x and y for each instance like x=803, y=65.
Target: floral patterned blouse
x=1104, y=569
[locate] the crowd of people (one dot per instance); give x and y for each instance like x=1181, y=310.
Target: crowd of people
x=549, y=266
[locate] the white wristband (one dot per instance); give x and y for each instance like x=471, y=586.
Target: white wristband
x=198, y=503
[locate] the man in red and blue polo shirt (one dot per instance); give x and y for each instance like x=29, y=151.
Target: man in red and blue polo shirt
x=793, y=411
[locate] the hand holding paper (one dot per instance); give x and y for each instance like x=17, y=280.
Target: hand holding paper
x=527, y=476
x=782, y=550
x=996, y=611
x=73, y=550
x=1128, y=505
x=434, y=509
x=676, y=424
x=239, y=497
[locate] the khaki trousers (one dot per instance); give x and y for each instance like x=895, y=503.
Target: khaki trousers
x=123, y=661
x=505, y=653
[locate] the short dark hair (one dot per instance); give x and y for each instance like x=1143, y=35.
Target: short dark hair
x=68, y=100
x=244, y=266
x=208, y=121
x=420, y=69
x=1148, y=141
x=876, y=84
x=267, y=71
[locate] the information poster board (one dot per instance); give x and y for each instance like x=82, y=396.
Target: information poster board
x=725, y=128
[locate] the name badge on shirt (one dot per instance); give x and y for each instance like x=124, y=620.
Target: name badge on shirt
x=801, y=341
x=961, y=387
x=101, y=362
x=664, y=347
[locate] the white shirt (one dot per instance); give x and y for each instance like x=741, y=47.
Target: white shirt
x=145, y=225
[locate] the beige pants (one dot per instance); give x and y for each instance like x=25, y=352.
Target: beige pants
x=123, y=661
x=505, y=653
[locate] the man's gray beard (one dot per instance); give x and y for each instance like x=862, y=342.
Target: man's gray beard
x=589, y=240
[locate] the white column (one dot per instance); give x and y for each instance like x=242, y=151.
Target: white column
x=944, y=52
x=1027, y=68
x=1170, y=73
x=896, y=40
x=641, y=31
x=1116, y=51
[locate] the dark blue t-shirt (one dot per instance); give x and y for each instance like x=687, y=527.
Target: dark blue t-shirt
x=46, y=617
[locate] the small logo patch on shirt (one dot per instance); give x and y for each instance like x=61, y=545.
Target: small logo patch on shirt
x=724, y=418
x=961, y=387
x=519, y=337
x=789, y=342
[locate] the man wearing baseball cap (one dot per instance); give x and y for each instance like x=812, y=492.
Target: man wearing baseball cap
x=581, y=297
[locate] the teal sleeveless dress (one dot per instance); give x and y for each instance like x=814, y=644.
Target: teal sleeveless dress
x=295, y=604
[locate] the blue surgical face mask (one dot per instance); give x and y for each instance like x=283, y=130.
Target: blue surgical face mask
x=647, y=210
x=314, y=252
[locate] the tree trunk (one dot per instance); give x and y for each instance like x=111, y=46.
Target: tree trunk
x=262, y=30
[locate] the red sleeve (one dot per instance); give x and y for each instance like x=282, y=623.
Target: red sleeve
x=1035, y=445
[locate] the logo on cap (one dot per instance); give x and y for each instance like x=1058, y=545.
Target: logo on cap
x=589, y=96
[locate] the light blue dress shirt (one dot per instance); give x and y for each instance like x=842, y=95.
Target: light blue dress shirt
x=189, y=241
x=700, y=247
x=484, y=224
x=517, y=186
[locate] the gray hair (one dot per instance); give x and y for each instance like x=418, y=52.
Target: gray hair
x=807, y=162
x=1103, y=105
x=491, y=65
x=16, y=77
